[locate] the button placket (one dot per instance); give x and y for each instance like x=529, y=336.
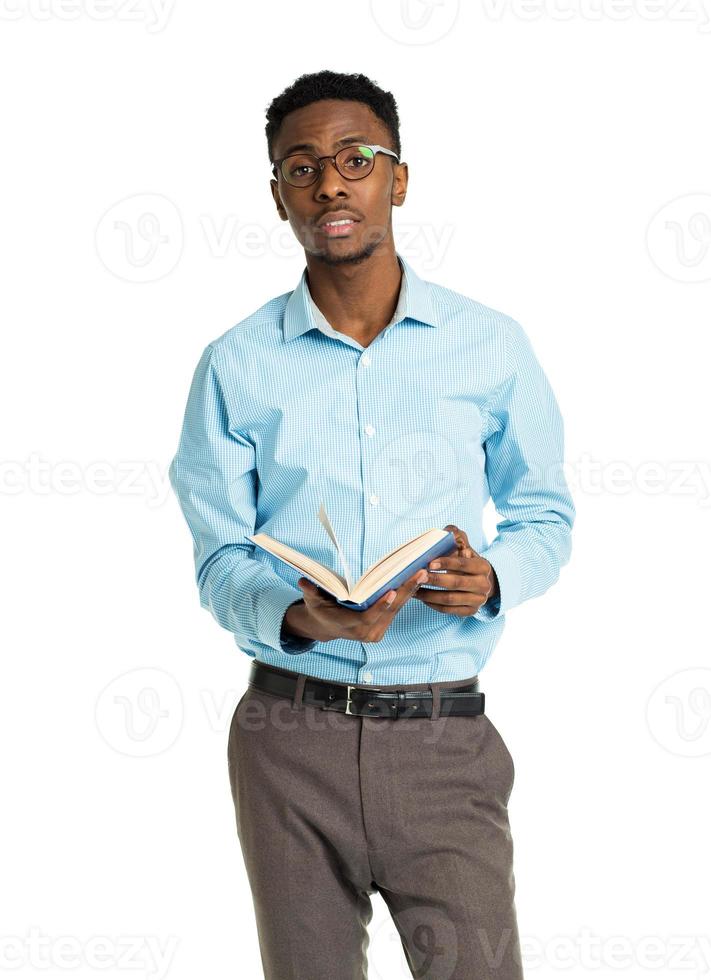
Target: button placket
x=366, y=409
x=372, y=496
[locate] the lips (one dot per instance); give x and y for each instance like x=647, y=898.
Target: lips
x=338, y=231
x=337, y=216
x=337, y=225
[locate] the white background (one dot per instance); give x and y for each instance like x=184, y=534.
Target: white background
x=543, y=141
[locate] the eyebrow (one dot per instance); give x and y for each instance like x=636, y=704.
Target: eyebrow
x=297, y=147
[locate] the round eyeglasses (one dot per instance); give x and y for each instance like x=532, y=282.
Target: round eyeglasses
x=352, y=162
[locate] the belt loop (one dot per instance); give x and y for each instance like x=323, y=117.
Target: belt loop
x=434, y=688
x=401, y=704
x=298, y=692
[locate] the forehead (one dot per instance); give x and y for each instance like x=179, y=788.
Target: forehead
x=323, y=124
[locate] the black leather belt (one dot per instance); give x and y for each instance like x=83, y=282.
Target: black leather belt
x=368, y=701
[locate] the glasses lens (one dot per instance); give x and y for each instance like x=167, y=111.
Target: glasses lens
x=355, y=161
x=300, y=169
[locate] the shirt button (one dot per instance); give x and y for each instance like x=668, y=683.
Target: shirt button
x=369, y=430
x=374, y=498
x=367, y=677
x=365, y=360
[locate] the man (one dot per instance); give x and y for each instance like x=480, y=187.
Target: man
x=402, y=405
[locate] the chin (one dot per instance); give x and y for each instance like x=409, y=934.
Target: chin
x=340, y=256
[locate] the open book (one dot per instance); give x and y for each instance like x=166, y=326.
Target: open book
x=389, y=572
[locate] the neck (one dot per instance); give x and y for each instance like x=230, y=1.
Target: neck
x=357, y=298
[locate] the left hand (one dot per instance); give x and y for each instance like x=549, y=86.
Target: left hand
x=469, y=579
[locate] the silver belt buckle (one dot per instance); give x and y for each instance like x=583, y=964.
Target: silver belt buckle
x=349, y=688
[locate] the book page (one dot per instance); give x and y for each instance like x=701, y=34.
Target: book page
x=329, y=580
x=323, y=517
x=390, y=554
x=395, y=562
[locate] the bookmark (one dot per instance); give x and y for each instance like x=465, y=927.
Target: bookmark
x=323, y=517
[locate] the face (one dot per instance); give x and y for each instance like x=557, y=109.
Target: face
x=369, y=200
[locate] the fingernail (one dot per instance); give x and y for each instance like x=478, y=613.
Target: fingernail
x=435, y=564
x=421, y=576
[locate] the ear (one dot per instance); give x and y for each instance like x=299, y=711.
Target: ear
x=274, y=187
x=397, y=196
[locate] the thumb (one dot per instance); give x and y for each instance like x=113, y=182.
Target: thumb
x=464, y=549
x=311, y=591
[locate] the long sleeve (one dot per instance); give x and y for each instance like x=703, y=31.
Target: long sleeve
x=524, y=443
x=214, y=477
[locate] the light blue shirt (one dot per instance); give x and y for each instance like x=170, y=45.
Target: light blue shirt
x=446, y=407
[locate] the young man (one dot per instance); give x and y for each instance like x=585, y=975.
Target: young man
x=360, y=758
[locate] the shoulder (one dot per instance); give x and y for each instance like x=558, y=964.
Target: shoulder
x=261, y=327
x=243, y=355
x=495, y=332
x=456, y=307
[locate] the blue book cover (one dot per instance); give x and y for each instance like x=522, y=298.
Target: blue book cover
x=442, y=547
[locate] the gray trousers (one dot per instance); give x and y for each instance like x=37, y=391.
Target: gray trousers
x=331, y=808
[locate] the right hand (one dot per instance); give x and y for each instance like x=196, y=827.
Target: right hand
x=322, y=618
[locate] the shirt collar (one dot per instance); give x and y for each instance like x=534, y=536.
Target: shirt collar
x=414, y=302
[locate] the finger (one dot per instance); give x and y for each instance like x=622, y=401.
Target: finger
x=444, y=601
x=457, y=610
x=460, y=537
x=405, y=592
x=471, y=566
x=382, y=606
x=449, y=582
x=457, y=537
x=314, y=595
x=466, y=551
x=451, y=598
x=453, y=528
x=461, y=582
x=387, y=600
x=409, y=588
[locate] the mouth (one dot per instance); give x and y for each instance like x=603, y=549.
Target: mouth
x=337, y=227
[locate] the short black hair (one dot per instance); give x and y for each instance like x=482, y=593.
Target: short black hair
x=333, y=85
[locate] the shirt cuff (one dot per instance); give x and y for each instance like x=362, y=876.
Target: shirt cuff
x=273, y=605
x=505, y=564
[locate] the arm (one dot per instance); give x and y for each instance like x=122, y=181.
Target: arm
x=524, y=467
x=214, y=477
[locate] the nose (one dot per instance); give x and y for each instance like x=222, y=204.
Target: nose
x=329, y=182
